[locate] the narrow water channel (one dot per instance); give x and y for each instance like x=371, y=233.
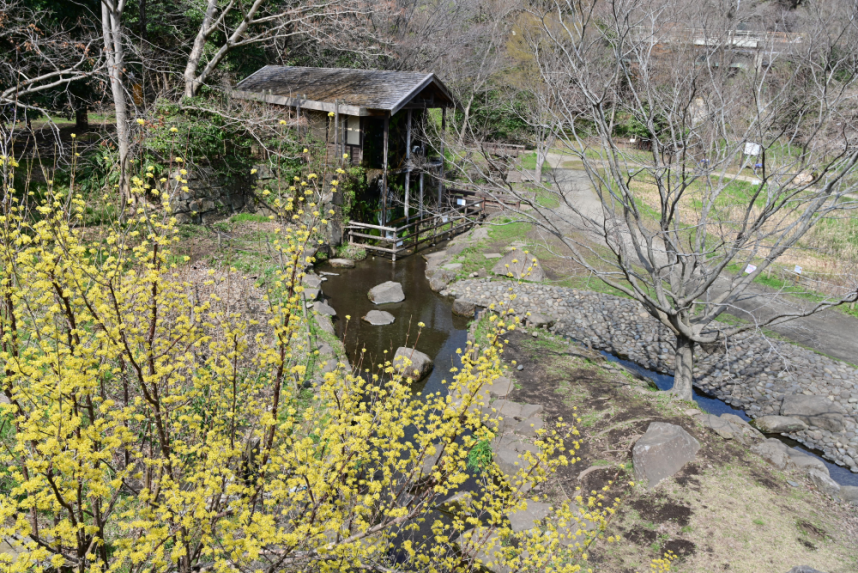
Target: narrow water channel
x=443, y=333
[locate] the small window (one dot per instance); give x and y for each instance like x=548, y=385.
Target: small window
x=352, y=130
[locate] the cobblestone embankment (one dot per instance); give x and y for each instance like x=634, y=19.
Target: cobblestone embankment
x=751, y=372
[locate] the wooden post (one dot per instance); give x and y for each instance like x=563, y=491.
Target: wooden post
x=441, y=167
x=345, y=136
x=420, y=210
x=336, y=127
x=407, y=162
x=384, y=171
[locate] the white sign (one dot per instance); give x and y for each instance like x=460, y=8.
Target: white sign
x=797, y=270
x=749, y=269
x=752, y=148
x=460, y=201
x=398, y=243
x=444, y=219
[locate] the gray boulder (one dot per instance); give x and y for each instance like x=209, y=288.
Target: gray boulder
x=823, y=482
x=816, y=411
x=325, y=323
x=378, y=318
x=342, y=263
x=440, y=279
x=324, y=308
x=849, y=494
x=521, y=266
x=662, y=452
x=537, y=320
x=386, y=293
x=779, y=424
x=412, y=363
x=773, y=451
x=312, y=281
x=311, y=293
x=805, y=462
x=509, y=454
x=434, y=260
x=529, y=517
x=730, y=426
x=464, y=307
x=804, y=569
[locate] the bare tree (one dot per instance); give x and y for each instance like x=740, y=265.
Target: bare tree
x=671, y=220
x=243, y=23
x=38, y=60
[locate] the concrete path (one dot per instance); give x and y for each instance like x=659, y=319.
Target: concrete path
x=829, y=332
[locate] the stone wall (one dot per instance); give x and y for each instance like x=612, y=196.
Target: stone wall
x=208, y=194
x=750, y=372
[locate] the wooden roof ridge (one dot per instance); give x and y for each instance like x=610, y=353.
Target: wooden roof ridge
x=356, y=92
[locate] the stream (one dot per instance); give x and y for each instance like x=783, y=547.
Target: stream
x=445, y=332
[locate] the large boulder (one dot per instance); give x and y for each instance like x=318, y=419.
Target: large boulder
x=412, y=363
x=312, y=281
x=662, y=452
x=773, y=451
x=824, y=483
x=324, y=308
x=730, y=426
x=816, y=411
x=805, y=462
x=342, y=263
x=779, y=424
x=849, y=494
x=386, y=293
x=538, y=320
x=520, y=266
x=440, y=279
x=464, y=307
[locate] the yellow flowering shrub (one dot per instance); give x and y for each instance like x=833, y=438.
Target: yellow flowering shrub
x=147, y=430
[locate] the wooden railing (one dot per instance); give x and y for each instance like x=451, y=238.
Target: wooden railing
x=396, y=240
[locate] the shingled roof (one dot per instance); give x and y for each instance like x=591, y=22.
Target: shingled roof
x=359, y=92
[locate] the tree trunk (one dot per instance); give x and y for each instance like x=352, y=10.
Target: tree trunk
x=81, y=119
x=683, y=377
x=112, y=31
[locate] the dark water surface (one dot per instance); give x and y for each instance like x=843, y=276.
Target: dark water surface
x=442, y=335
x=445, y=332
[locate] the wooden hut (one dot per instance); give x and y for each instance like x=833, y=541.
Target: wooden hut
x=373, y=120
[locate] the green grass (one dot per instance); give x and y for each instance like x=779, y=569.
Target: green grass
x=480, y=456
x=528, y=162
x=248, y=218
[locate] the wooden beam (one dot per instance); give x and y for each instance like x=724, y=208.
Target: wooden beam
x=407, y=161
x=441, y=168
x=384, y=170
x=420, y=208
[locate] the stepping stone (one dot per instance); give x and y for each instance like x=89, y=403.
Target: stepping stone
x=342, y=263
x=527, y=518
x=463, y=307
x=312, y=281
x=311, y=293
x=325, y=323
x=452, y=266
x=378, y=318
x=529, y=427
x=324, y=308
x=492, y=255
x=508, y=452
x=327, y=274
x=386, y=293
x=420, y=364
x=501, y=387
x=662, y=451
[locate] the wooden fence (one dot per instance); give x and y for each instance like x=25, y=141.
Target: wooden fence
x=397, y=240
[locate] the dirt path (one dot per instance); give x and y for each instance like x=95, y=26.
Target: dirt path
x=829, y=332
